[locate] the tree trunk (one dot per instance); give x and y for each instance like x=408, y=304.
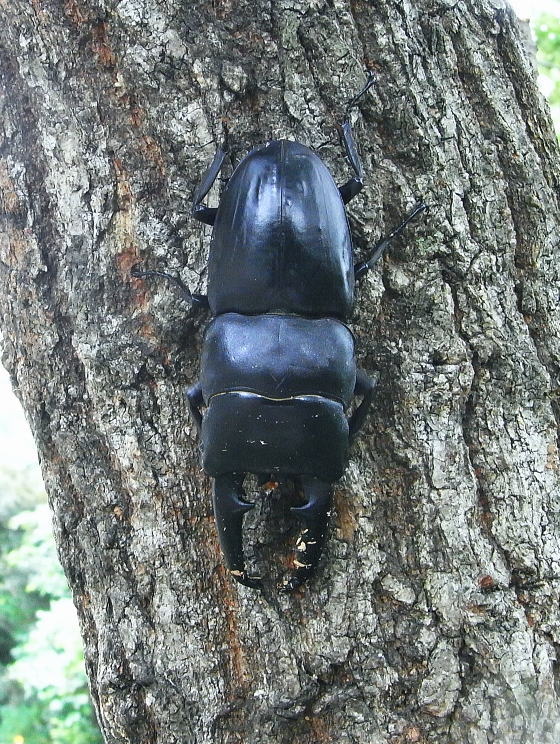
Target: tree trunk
x=434, y=616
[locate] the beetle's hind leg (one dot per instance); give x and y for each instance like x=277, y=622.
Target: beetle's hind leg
x=353, y=187
x=361, y=268
x=199, y=211
x=315, y=515
x=229, y=508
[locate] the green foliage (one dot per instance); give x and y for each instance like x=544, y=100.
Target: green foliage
x=36, y=551
x=22, y=723
x=43, y=689
x=55, y=721
x=19, y=490
x=546, y=28
x=17, y=605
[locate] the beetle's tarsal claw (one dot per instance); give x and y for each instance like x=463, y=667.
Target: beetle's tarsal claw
x=353, y=101
x=315, y=515
x=229, y=509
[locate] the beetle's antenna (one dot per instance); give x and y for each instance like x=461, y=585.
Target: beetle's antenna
x=353, y=101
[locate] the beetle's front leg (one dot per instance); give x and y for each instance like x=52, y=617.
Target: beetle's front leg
x=229, y=508
x=315, y=515
x=364, y=386
x=195, y=401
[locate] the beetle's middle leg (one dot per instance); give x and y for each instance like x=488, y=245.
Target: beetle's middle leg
x=229, y=508
x=363, y=267
x=196, y=301
x=202, y=213
x=315, y=515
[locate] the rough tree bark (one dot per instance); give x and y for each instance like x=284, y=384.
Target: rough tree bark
x=435, y=615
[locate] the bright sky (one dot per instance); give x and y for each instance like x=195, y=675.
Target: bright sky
x=528, y=9
x=17, y=448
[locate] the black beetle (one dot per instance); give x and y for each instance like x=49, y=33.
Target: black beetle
x=278, y=370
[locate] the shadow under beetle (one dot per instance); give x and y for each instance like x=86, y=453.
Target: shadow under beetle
x=278, y=371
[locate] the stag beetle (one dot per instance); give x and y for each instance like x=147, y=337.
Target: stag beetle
x=278, y=371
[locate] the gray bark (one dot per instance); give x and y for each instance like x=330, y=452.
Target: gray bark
x=435, y=614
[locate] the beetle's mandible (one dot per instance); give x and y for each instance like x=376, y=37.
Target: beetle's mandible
x=278, y=370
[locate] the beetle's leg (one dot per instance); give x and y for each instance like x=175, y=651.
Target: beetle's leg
x=354, y=185
x=363, y=267
x=364, y=387
x=199, y=211
x=196, y=301
x=315, y=515
x=229, y=508
x=195, y=401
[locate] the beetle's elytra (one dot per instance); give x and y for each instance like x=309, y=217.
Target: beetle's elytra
x=278, y=370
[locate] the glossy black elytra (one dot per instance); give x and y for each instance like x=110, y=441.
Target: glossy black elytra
x=278, y=370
